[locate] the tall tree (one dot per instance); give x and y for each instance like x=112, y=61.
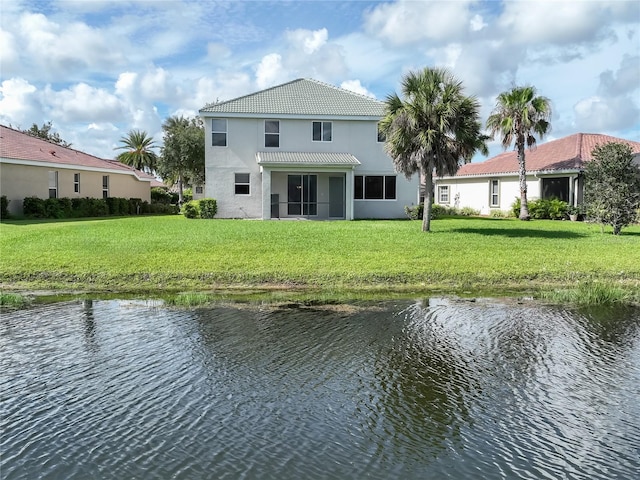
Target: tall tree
x=435, y=127
x=139, y=152
x=182, y=157
x=45, y=133
x=612, y=186
x=519, y=115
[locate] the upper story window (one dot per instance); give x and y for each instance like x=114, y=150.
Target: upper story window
x=219, y=132
x=381, y=136
x=105, y=186
x=322, y=131
x=76, y=183
x=443, y=194
x=374, y=187
x=272, y=133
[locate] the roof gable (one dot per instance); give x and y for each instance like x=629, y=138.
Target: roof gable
x=301, y=97
x=16, y=145
x=567, y=153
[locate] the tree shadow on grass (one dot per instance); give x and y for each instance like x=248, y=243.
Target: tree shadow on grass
x=519, y=232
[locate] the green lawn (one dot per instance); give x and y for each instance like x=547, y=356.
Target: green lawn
x=171, y=253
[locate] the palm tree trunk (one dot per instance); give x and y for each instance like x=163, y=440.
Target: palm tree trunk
x=180, y=194
x=524, y=205
x=428, y=199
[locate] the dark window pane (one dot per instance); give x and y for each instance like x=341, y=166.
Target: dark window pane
x=219, y=139
x=390, y=188
x=271, y=126
x=53, y=193
x=271, y=140
x=381, y=136
x=358, y=187
x=219, y=125
x=242, y=189
x=326, y=131
x=317, y=131
x=373, y=187
x=242, y=178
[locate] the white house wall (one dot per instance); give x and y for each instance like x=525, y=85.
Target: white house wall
x=245, y=137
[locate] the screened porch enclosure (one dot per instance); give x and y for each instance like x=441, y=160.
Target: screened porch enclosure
x=320, y=196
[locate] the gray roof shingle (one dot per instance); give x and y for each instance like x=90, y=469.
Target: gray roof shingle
x=301, y=97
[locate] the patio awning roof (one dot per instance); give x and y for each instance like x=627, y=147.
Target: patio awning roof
x=307, y=159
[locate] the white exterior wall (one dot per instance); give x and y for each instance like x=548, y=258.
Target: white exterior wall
x=245, y=137
x=475, y=192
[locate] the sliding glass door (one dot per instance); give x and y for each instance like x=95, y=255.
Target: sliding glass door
x=302, y=197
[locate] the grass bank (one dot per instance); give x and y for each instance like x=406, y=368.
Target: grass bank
x=171, y=254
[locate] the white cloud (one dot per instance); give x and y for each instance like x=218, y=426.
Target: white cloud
x=269, y=71
x=599, y=115
x=357, y=87
x=310, y=41
x=407, y=22
x=477, y=23
x=84, y=103
x=19, y=102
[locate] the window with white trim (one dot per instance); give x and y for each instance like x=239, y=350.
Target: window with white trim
x=105, y=186
x=272, y=133
x=374, y=187
x=322, y=131
x=494, y=193
x=443, y=194
x=242, y=184
x=76, y=183
x=219, y=132
x=53, y=184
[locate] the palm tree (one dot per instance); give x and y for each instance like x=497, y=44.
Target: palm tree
x=433, y=128
x=139, y=151
x=518, y=115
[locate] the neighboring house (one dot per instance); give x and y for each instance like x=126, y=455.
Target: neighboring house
x=304, y=149
x=554, y=170
x=32, y=167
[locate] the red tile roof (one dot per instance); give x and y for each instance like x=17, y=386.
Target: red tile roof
x=568, y=153
x=20, y=146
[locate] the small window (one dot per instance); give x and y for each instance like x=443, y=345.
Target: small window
x=443, y=194
x=242, y=185
x=272, y=133
x=53, y=184
x=105, y=186
x=76, y=183
x=374, y=187
x=219, y=132
x=322, y=131
x=494, y=192
x=381, y=136
x=198, y=189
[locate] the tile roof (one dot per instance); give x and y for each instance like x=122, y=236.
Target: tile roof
x=16, y=145
x=301, y=97
x=568, y=153
x=306, y=158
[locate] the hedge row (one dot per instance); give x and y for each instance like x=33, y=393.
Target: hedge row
x=35, y=207
x=4, y=207
x=203, y=208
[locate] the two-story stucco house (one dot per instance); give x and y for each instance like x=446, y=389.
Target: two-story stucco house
x=303, y=149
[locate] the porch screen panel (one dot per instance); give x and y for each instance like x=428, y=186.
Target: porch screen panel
x=555, y=188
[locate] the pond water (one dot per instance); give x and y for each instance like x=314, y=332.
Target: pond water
x=438, y=388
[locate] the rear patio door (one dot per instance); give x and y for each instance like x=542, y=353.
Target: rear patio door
x=336, y=197
x=302, y=197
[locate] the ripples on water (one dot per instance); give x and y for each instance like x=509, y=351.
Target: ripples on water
x=125, y=390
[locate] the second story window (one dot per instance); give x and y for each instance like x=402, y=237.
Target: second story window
x=381, y=136
x=322, y=132
x=219, y=132
x=272, y=133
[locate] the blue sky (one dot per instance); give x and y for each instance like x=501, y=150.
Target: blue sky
x=97, y=69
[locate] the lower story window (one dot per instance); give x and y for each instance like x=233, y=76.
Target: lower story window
x=443, y=194
x=199, y=189
x=242, y=185
x=494, y=191
x=76, y=183
x=374, y=187
x=105, y=186
x=53, y=184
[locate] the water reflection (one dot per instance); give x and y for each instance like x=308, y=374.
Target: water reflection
x=433, y=388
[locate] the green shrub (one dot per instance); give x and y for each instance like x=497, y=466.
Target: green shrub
x=4, y=207
x=557, y=209
x=208, y=207
x=515, y=207
x=33, y=207
x=161, y=195
x=495, y=213
x=57, y=208
x=415, y=212
x=191, y=209
x=469, y=212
